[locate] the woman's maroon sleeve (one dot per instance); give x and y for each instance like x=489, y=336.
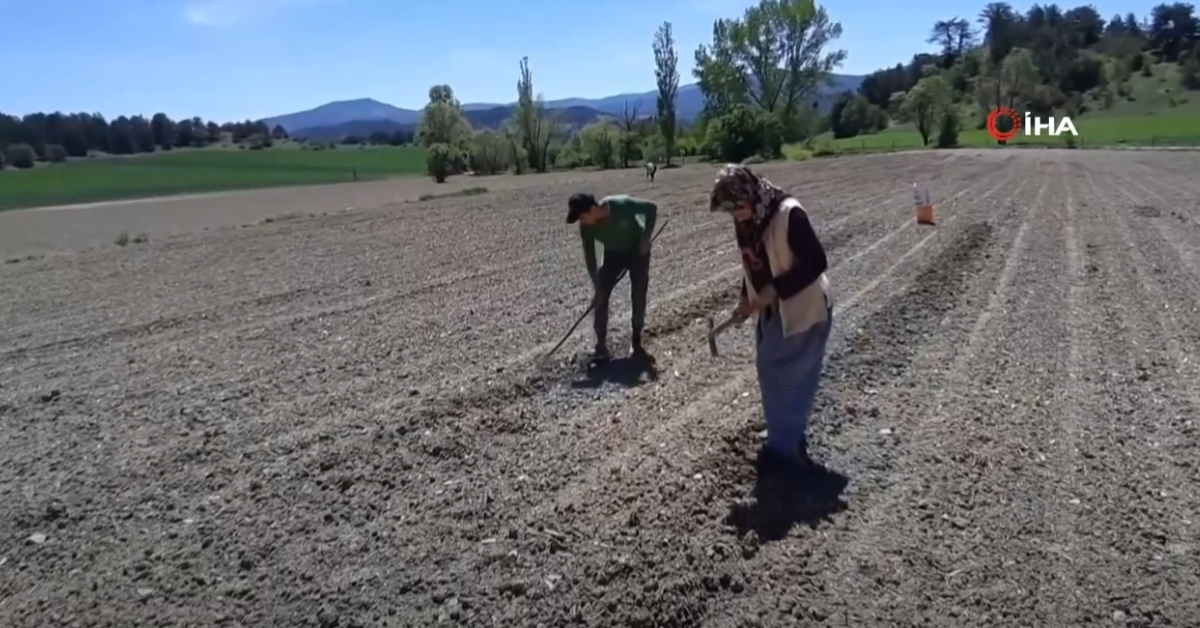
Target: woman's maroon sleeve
x=810, y=261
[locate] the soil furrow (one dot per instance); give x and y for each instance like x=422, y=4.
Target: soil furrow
x=338, y=420
x=643, y=514
x=1147, y=477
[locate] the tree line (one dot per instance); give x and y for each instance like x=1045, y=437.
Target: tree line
x=761, y=76
x=762, y=73
x=536, y=139
x=55, y=137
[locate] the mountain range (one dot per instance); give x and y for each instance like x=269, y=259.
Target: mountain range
x=362, y=117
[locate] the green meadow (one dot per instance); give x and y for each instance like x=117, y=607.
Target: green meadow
x=1094, y=132
x=1155, y=111
x=200, y=170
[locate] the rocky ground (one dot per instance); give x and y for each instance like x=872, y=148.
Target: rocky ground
x=340, y=421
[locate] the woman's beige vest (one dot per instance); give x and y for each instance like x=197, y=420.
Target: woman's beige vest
x=808, y=308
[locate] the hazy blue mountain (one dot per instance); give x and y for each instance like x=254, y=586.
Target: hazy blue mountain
x=343, y=111
x=355, y=128
x=688, y=103
x=489, y=118
x=364, y=111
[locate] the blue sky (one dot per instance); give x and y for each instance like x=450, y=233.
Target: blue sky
x=237, y=59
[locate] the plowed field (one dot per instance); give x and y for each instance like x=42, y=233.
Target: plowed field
x=338, y=421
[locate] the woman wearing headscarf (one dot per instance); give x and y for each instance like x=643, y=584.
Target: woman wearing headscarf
x=786, y=289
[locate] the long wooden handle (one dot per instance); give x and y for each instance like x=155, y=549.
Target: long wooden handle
x=730, y=322
x=570, y=331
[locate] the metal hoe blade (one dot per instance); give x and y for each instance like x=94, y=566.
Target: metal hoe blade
x=713, y=332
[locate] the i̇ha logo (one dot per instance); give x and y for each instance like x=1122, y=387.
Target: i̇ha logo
x=1021, y=125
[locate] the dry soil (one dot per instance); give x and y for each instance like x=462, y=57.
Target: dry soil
x=338, y=421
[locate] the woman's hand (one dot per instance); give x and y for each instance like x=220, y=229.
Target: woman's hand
x=762, y=300
x=743, y=308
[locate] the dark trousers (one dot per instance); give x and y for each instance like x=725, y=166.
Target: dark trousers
x=638, y=266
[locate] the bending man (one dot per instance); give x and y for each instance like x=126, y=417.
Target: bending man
x=623, y=225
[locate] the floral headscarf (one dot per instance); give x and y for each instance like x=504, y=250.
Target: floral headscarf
x=737, y=183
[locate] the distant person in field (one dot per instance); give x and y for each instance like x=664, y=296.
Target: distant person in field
x=784, y=286
x=623, y=226
x=651, y=170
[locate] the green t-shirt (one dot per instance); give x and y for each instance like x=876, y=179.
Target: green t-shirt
x=629, y=220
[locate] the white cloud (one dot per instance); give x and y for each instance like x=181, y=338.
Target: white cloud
x=218, y=13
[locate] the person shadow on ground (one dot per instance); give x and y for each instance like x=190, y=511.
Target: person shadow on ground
x=628, y=372
x=782, y=499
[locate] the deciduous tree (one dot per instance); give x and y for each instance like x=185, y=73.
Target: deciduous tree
x=775, y=57
x=1011, y=83
x=925, y=104
x=538, y=127
x=666, y=75
x=442, y=120
x=599, y=141
x=489, y=152
x=630, y=137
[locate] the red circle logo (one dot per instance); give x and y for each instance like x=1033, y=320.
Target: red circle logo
x=993, y=124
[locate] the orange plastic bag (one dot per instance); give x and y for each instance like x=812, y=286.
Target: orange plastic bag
x=923, y=205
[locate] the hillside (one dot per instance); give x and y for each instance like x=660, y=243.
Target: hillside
x=1126, y=79
x=365, y=116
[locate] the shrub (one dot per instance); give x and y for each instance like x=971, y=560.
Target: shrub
x=794, y=152
x=948, y=128
x=56, y=154
x=439, y=161
x=1189, y=74
x=21, y=156
x=1108, y=99
x=825, y=149
x=743, y=132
